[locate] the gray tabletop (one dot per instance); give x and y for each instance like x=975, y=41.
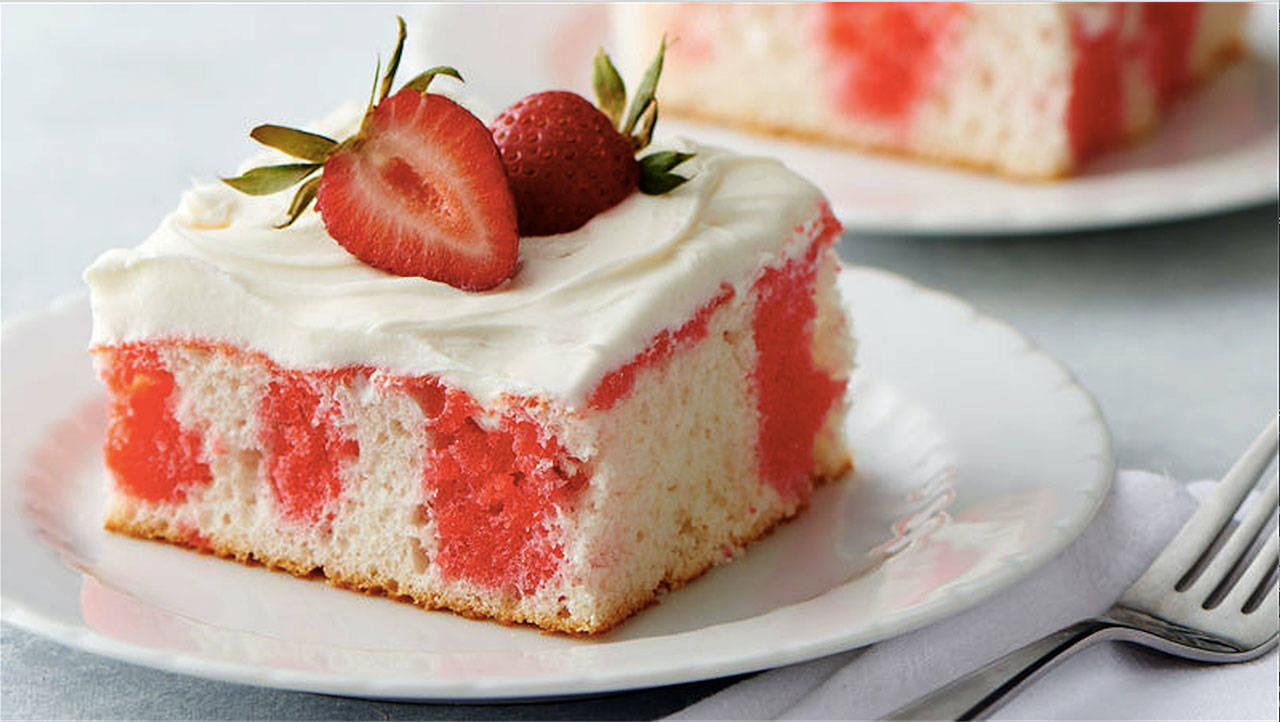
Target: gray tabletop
x=109, y=111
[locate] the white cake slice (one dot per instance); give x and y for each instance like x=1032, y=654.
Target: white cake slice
x=1028, y=90
x=647, y=395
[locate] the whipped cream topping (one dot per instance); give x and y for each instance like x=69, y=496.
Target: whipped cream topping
x=580, y=305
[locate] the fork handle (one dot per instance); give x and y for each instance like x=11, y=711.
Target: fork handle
x=982, y=691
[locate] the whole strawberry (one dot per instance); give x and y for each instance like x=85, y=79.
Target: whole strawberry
x=419, y=190
x=565, y=161
x=568, y=161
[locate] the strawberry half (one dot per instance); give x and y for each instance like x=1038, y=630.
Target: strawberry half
x=422, y=192
x=419, y=190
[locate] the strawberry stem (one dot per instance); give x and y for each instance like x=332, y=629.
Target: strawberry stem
x=648, y=86
x=394, y=65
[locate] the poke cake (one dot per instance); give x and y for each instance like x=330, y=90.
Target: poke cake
x=1025, y=90
x=534, y=371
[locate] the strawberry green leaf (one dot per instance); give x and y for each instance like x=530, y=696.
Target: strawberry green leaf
x=656, y=177
x=641, y=139
x=271, y=178
x=306, y=193
x=394, y=63
x=424, y=79
x=664, y=161
x=660, y=183
x=611, y=92
x=644, y=94
x=297, y=143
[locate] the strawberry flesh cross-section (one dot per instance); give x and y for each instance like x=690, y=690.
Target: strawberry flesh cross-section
x=423, y=194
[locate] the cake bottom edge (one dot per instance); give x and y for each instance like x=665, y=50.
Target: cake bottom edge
x=120, y=521
x=1060, y=171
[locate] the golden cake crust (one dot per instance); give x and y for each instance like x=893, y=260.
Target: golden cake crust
x=120, y=520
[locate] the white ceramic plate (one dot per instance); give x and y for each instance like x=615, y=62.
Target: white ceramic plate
x=1216, y=151
x=978, y=458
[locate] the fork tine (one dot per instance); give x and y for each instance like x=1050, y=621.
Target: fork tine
x=1258, y=570
x=1242, y=538
x=1270, y=606
x=1194, y=538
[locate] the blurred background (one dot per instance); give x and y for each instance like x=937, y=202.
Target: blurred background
x=110, y=111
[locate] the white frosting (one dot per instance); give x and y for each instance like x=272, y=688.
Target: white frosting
x=580, y=305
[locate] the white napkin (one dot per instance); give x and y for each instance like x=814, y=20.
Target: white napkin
x=1108, y=681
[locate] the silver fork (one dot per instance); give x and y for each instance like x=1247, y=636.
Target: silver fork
x=1203, y=598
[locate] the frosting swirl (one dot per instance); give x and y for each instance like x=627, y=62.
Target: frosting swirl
x=580, y=304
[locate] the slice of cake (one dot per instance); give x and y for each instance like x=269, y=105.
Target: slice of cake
x=637, y=400
x=1027, y=90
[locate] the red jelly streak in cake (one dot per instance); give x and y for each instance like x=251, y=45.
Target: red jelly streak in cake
x=151, y=456
x=793, y=394
x=883, y=55
x=1163, y=39
x=1168, y=31
x=1095, y=112
x=493, y=492
x=617, y=384
x=305, y=448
